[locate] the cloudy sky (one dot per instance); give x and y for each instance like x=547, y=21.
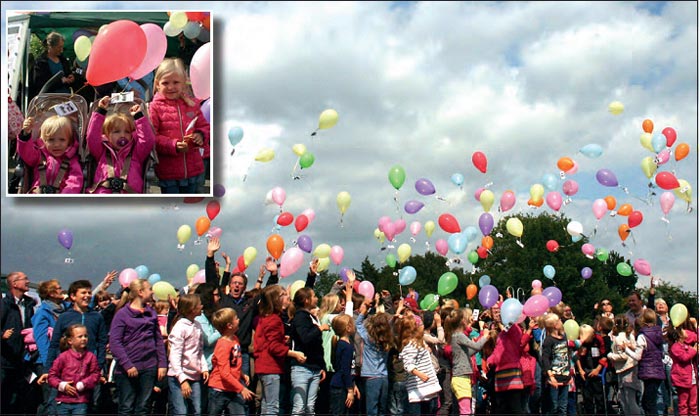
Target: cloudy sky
x=418, y=85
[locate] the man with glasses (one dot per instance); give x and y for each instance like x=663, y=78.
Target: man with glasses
x=16, y=311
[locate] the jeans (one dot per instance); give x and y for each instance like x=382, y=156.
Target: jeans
x=305, y=384
x=134, y=392
x=72, y=408
x=337, y=401
x=181, y=406
x=428, y=407
x=270, y=403
x=228, y=400
x=179, y=186
x=558, y=400
x=377, y=393
x=651, y=391
x=398, y=398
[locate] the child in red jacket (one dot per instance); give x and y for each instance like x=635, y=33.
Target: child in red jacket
x=684, y=371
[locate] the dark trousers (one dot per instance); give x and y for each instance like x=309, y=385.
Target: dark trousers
x=507, y=402
x=135, y=392
x=15, y=393
x=593, y=398
x=337, y=396
x=651, y=390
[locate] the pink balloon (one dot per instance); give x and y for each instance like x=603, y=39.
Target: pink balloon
x=570, y=187
x=214, y=232
x=588, y=249
x=366, y=288
x=200, y=74
x=199, y=277
x=642, y=267
x=536, y=306
x=536, y=284
x=310, y=214
x=507, y=200
x=389, y=230
x=382, y=222
x=477, y=194
x=663, y=156
x=554, y=200
x=291, y=261
x=156, y=46
x=127, y=276
x=600, y=207
x=104, y=65
x=666, y=201
x=399, y=226
x=441, y=246
x=415, y=227
x=278, y=195
x=337, y=254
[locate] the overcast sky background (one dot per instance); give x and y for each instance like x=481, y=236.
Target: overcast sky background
x=420, y=85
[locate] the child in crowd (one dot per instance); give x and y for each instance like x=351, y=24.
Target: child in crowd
x=54, y=158
x=591, y=361
x=74, y=373
x=649, y=354
x=505, y=360
x=178, y=145
x=159, y=398
x=684, y=370
x=556, y=364
x=187, y=365
x=342, y=386
x=120, y=144
x=628, y=381
x=226, y=391
x=377, y=337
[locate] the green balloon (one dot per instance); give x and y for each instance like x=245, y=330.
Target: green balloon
x=473, y=257
x=447, y=283
x=306, y=160
x=391, y=260
x=624, y=269
x=431, y=302
x=601, y=254
x=397, y=176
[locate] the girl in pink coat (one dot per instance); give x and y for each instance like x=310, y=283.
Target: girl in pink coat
x=684, y=371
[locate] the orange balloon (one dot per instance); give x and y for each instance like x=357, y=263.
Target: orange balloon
x=623, y=231
x=275, y=245
x=625, y=209
x=206, y=22
x=471, y=291
x=487, y=242
x=202, y=225
x=682, y=151
x=565, y=164
x=535, y=203
x=648, y=126
x=610, y=200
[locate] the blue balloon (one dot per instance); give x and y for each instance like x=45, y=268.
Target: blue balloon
x=457, y=243
x=510, y=311
x=235, y=135
x=154, y=278
x=591, y=150
x=470, y=233
x=658, y=142
x=549, y=180
x=141, y=271
x=407, y=275
x=576, y=238
x=549, y=271
x=457, y=179
x=484, y=280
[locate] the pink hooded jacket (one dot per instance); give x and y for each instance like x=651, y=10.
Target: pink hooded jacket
x=684, y=361
x=78, y=368
x=33, y=152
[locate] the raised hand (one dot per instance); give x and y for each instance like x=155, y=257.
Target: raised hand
x=27, y=125
x=213, y=246
x=104, y=102
x=271, y=265
x=136, y=108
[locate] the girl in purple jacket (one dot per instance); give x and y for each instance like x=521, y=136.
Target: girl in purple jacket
x=74, y=373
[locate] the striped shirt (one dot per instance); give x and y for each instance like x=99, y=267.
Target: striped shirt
x=418, y=358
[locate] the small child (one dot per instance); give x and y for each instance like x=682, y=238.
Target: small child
x=684, y=370
x=162, y=307
x=54, y=159
x=648, y=352
x=625, y=366
x=556, y=364
x=343, y=389
x=74, y=373
x=120, y=143
x=226, y=391
x=592, y=358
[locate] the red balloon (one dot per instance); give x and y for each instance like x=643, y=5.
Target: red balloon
x=240, y=263
x=479, y=160
x=285, y=219
x=193, y=199
x=235, y=270
x=213, y=209
x=670, y=134
x=482, y=252
x=666, y=180
x=105, y=66
x=301, y=222
x=195, y=16
x=449, y=223
x=552, y=246
x=634, y=219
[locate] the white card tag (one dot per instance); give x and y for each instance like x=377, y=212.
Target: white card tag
x=475, y=315
x=595, y=352
x=65, y=109
x=122, y=97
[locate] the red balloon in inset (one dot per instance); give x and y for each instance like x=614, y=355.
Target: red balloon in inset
x=105, y=66
x=670, y=134
x=285, y=219
x=301, y=222
x=449, y=223
x=552, y=246
x=482, y=252
x=213, y=209
x=634, y=219
x=666, y=180
x=479, y=161
x=240, y=263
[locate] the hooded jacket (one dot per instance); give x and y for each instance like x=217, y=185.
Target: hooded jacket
x=12, y=349
x=78, y=367
x=34, y=153
x=684, y=361
x=44, y=318
x=136, y=341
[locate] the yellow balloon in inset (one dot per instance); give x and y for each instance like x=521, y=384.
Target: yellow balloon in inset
x=536, y=192
x=184, y=233
x=429, y=227
x=645, y=140
x=486, y=198
x=323, y=264
x=192, y=269
x=299, y=149
x=249, y=255
x=178, y=20
x=514, y=227
x=322, y=251
x=404, y=252
x=684, y=191
x=294, y=287
x=162, y=289
x=327, y=119
x=648, y=167
x=265, y=155
x=82, y=47
x=616, y=108
x=379, y=235
x=343, y=200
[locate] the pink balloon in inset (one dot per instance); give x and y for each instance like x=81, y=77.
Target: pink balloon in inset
x=399, y=226
x=588, y=249
x=337, y=254
x=415, y=228
x=663, y=156
x=554, y=200
x=570, y=187
x=156, y=46
x=291, y=261
x=600, y=207
x=666, y=201
x=441, y=246
x=278, y=195
x=642, y=267
x=507, y=201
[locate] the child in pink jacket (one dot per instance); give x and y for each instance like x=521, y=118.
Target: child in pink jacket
x=684, y=371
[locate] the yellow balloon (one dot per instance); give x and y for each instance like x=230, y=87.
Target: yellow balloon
x=322, y=251
x=514, y=227
x=343, y=201
x=327, y=119
x=82, y=47
x=379, y=235
x=645, y=140
x=536, y=192
x=265, y=155
x=572, y=329
x=648, y=167
x=429, y=228
x=184, y=233
x=684, y=191
x=616, y=107
x=249, y=255
x=299, y=149
x=323, y=264
x=294, y=287
x=192, y=269
x=162, y=289
x=178, y=20
x=486, y=198
x=678, y=313
x=404, y=252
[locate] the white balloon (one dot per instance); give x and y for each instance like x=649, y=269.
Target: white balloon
x=171, y=31
x=574, y=228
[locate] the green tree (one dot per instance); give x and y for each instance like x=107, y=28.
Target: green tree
x=674, y=294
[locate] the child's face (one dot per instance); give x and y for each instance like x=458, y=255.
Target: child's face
x=81, y=298
x=120, y=136
x=234, y=324
x=171, y=85
x=57, y=143
x=146, y=293
x=351, y=328
x=79, y=339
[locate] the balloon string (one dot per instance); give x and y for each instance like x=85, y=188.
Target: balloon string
x=314, y=133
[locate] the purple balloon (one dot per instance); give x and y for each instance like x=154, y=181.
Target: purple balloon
x=304, y=243
x=413, y=206
x=219, y=190
x=488, y=296
x=606, y=177
x=553, y=294
x=206, y=109
x=486, y=223
x=344, y=274
x=65, y=237
x=586, y=272
x=425, y=187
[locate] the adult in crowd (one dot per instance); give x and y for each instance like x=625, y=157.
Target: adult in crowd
x=49, y=64
x=603, y=308
x=635, y=304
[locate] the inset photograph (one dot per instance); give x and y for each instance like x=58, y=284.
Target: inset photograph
x=109, y=104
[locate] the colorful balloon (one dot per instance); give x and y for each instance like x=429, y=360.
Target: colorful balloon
x=648, y=126
x=391, y=262
x=127, y=276
x=156, y=47
x=623, y=269
x=299, y=149
x=447, y=283
x=570, y=187
x=678, y=314
x=290, y=262
x=471, y=291
x=565, y=163
x=141, y=271
x=666, y=180
x=213, y=209
x=514, y=227
x=366, y=288
x=645, y=141
x=606, y=177
x=553, y=294
x=415, y=228
x=429, y=228
x=554, y=200
x=625, y=210
x=105, y=66
x=301, y=222
x=249, y=255
x=681, y=151
x=684, y=191
x=304, y=242
x=616, y=108
x=306, y=160
x=449, y=223
x=649, y=166
x=591, y=150
x=486, y=198
x=322, y=251
x=200, y=72
x=552, y=246
x=479, y=161
x=507, y=201
x=265, y=155
x=611, y=202
x=488, y=296
x=635, y=218
x=278, y=195
x=404, y=252
x=184, y=233
x=82, y=47
x=327, y=119
x=600, y=207
x=457, y=243
x=275, y=245
x=623, y=231
x=511, y=309
x=162, y=289
x=202, y=225
x=285, y=218
x=425, y=187
x=666, y=201
x=343, y=201
x=586, y=273
x=571, y=329
x=549, y=271
x=441, y=246
x=65, y=238
x=486, y=223
x=457, y=179
x=670, y=135
x=536, y=192
x=397, y=176
x=413, y=206
x=407, y=275
x=337, y=255
x=536, y=305
x=642, y=267
x=574, y=228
